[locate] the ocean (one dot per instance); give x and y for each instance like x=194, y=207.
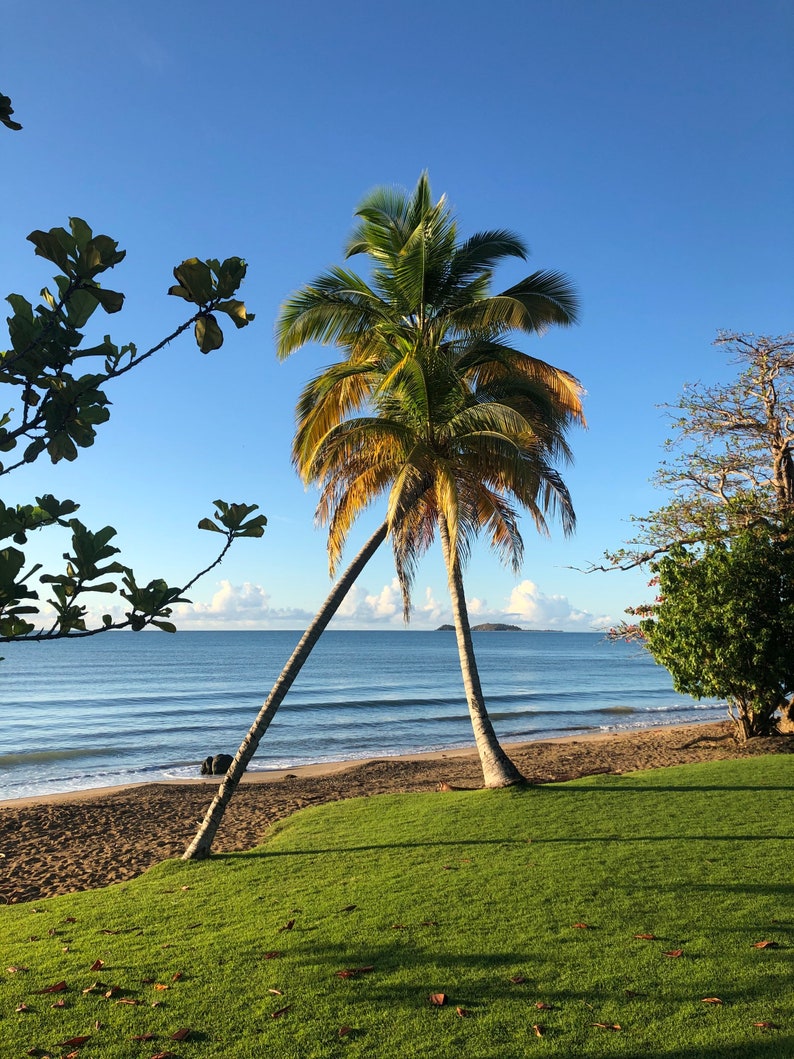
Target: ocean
x=129, y=708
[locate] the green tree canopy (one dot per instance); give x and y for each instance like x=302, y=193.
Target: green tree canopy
x=723, y=624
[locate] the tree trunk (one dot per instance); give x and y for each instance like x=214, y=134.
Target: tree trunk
x=497, y=768
x=201, y=845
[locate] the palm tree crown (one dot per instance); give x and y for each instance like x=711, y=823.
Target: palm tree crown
x=430, y=404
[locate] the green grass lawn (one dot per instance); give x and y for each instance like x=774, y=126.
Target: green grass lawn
x=502, y=901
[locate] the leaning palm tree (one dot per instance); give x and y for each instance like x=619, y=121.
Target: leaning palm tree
x=430, y=405
x=440, y=301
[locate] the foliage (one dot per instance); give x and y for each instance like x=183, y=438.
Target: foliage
x=56, y=402
x=724, y=624
x=474, y=895
x=731, y=472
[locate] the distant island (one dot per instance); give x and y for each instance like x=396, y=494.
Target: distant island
x=495, y=626
x=488, y=626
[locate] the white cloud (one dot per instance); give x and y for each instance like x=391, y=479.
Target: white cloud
x=245, y=606
x=528, y=604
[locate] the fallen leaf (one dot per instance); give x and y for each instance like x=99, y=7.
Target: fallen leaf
x=58, y=1004
x=711, y=1000
x=157, y=1003
x=287, y=926
x=143, y=1037
x=429, y=923
x=276, y=992
x=110, y=931
x=351, y=972
x=438, y=999
x=538, y=1029
x=765, y=945
x=518, y=979
x=176, y=976
x=164, y=1055
x=767, y=1025
x=462, y=1013
x=181, y=1035
x=113, y=991
x=348, y=908
x=34, y=937
x=131, y=1001
x=272, y=955
x=74, y=1042
x=674, y=953
x=398, y=926
x=69, y=919
x=97, y=965
x=344, y=1030
x=96, y=987
x=645, y=937
x=22, y=1007
x=606, y=1025
x=17, y=970
x=57, y=987
x=543, y=1006
x=582, y=926
x=71, y=1055
x=280, y=1012
x=184, y=887
x=161, y=986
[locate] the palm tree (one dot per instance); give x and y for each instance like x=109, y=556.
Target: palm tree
x=430, y=405
x=413, y=244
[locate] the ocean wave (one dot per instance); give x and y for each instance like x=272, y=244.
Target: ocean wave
x=41, y=757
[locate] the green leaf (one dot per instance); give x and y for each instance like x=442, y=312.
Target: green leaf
x=50, y=247
x=6, y=110
x=208, y=524
x=236, y=311
x=110, y=300
x=208, y=334
x=195, y=277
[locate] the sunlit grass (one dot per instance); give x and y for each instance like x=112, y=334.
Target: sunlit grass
x=474, y=895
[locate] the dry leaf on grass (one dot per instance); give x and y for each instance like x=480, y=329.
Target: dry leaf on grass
x=56, y=987
x=517, y=979
x=582, y=926
x=74, y=1042
x=674, y=953
x=543, y=1006
x=462, y=1013
x=538, y=1029
x=438, y=999
x=280, y=1012
x=606, y=1025
x=645, y=937
x=97, y=965
x=272, y=955
x=181, y=1035
x=765, y=945
x=767, y=1025
x=711, y=1000
x=287, y=926
x=143, y=1037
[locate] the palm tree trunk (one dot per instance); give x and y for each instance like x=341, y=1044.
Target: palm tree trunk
x=201, y=845
x=497, y=768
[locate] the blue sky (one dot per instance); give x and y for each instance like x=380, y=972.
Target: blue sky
x=644, y=149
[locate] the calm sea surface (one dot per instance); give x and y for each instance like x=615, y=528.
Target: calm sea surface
x=124, y=708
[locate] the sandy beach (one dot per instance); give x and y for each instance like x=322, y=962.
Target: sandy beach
x=78, y=841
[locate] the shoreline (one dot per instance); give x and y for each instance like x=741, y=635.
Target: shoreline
x=80, y=840
x=321, y=769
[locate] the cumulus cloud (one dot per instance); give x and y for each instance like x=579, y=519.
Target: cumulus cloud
x=529, y=604
x=245, y=606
